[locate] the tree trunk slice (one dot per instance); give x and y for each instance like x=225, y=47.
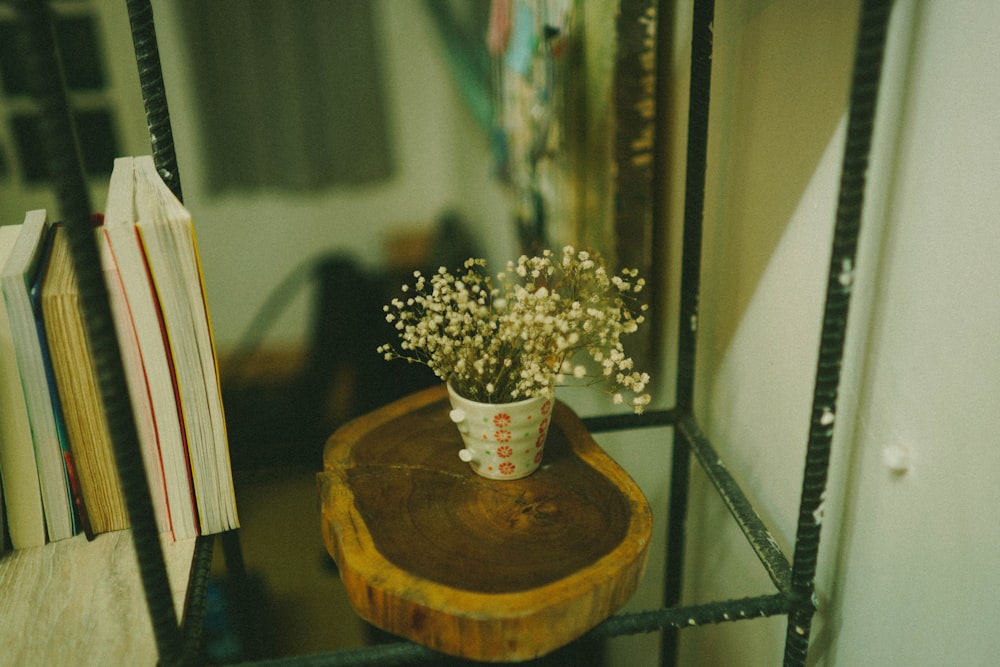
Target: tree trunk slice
x=477, y=568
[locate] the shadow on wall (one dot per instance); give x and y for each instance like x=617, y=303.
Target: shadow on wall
x=781, y=76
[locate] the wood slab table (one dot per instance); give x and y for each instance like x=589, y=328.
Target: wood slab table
x=477, y=568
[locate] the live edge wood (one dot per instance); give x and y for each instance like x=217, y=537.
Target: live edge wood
x=475, y=568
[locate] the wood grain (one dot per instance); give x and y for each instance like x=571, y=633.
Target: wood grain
x=76, y=602
x=478, y=568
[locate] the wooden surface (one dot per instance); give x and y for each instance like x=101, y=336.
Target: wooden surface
x=477, y=568
x=76, y=602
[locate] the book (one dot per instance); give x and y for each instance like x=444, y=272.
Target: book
x=18, y=278
x=167, y=233
x=78, y=516
x=21, y=491
x=138, y=389
x=82, y=406
x=146, y=356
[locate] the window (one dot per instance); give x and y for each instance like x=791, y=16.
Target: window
x=81, y=52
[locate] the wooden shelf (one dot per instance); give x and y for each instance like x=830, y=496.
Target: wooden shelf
x=75, y=602
x=472, y=567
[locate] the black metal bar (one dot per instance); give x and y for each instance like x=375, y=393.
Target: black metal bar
x=154, y=97
x=64, y=164
x=694, y=202
x=732, y=495
x=397, y=653
x=694, y=205
x=648, y=419
x=753, y=527
x=692, y=616
x=400, y=653
x=872, y=30
x=193, y=622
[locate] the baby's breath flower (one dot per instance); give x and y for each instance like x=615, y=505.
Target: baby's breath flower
x=521, y=335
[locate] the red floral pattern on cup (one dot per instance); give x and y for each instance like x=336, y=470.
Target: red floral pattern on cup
x=498, y=438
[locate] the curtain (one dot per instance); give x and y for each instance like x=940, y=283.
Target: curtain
x=289, y=93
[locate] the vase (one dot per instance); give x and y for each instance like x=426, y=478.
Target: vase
x=502, y=440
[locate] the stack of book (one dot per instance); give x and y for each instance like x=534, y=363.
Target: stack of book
x=57, y=466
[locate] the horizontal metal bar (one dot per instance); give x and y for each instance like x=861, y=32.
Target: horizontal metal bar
x=397, y=653
x=621, y=422
x=633, y=623
x=689, y=616
x=760, y=538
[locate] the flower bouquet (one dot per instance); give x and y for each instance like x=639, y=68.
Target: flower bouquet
x=545, y=321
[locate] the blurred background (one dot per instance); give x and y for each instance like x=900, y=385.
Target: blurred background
x=326, y=152
x=315, y=186
x=327, y=149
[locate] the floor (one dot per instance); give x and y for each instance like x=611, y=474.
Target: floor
x=292, y=602
x=295, y=603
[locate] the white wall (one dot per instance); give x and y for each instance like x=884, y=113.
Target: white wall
x=908, y=570
x=250, y=242
x=915, y=580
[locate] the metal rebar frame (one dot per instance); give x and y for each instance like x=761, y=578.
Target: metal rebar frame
x=794, y=581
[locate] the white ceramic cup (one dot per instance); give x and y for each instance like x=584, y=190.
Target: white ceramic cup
x=502, y=440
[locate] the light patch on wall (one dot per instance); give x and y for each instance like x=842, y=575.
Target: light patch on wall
x=761, y=392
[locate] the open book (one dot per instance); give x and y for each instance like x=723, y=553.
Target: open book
x=146, y=357
x=152, y=242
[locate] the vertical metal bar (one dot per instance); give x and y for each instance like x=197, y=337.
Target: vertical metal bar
x=872, y=30
x=64, y=165
x=192, y=630
x=694, y=205
x=154, y=96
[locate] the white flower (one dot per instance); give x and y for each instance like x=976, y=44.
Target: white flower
x=520, y=335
